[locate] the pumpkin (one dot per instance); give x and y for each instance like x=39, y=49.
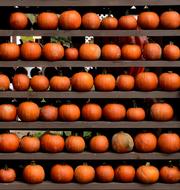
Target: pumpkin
x=145, y=142
x=152, y=51
x=161, y=112
x=170, y=20
x=169, y=174
x=21, y=82
x=9, y=142
x=128, y=22
x=91, y=21
x=131, y=52
x=89, y=52
x=75, y=144
x=29, y=144
x=148, y=20
x=84, y=174
x=125, y=82
x=62, y=173
x=71, y=54
x=82, y=81
x=146, y=81
x=169, y=81
x=53, y=51
x=39, y=83
x=109, y=23
x=4, y=82
x=8, y=112
x=111, y=52
x=47, y=21
x=52, y=143
x=135, y=114
x=99, y=144
x=104, y=173
x=171, y=52
x=60, y=83
x=69, y=112
x=18, y=21
x=70, y=20
x=125, y=173
x=33, y=174
x=147, y=174
x=91, y=112
x=122, y=142
x=169, y=142
x=9, y=51
x=105, y=82
x=28, y=111
x=48, y=113
x=114, y=112
x=30, y=51
x=7, y=175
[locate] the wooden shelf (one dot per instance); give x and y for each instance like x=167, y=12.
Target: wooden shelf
x=98, y=33
x=100, y=63
x=58, y=125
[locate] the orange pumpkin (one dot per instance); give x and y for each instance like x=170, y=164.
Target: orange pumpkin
x=71, y=54
x=60, y=83
x=18, y=21
x=49, y=113
x=128, y=22
x=91, y=21
x=21, y=82
x=105, y=173
x=135, y=114
x=125, y=82
x=171, y=52
x=131, y=52
x=7, y=175
x=39, y=83
x=152, y=51
x=111, y=52
x=4, y=82
x=109, y=23
x=8, y=112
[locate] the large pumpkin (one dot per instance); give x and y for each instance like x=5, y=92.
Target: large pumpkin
x=152, y=51
x=47, y=21
x=70, y=20
x=60, y=83
x=7, y=175
x=89, y=52
x=8, y=112
x=109, y=23
x=21, y=82
x=39, y=83
x=104, y=173
x=4, y=82
x=125, y=82
x=53, y=51
x=111, y=52
x=9, y=51
x=71, y=54
x=114, y=112
x=131, y=52
x=91, y=21
x=18, y=21
x=30, y=51
x=128, y=22
x=169, y=142
x=161, y=112
x=49, y=113
x=122, y=142
x=28, y=111
x=135, y=114
x=105, y=82
x=171, y=52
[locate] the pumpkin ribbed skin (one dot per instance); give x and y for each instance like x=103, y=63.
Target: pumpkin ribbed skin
x=18, y=21
x=128, y=22
x=125, y=82
x=21, y=82
x=135, y=114
x=131, y=52
x=7, y=175
x=4, y=82
x=105, y=173
x=109, y=23
x=60, y=83
x=171, y=52
x=152, y=51
x=91, y=21
x=71, y=54
x=111, y=52
x=8, y=112
x=39, y=83
x=49, y=113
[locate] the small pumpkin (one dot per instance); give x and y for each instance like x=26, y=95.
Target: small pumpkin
x=70, y=20
x=114, y=112
x=84, y=174
x=91, y=112
x=125, y=82
x=60, y=83
x=169, y=81
x=4, y=82
x=39, y=83
x=33, y=174
x=131, y=52
x=52, y=143
x=91, y=21
x=53, y=51
x=47, y=21
x=62, y=173
x=111, y=52
x=128, y=22
x=171, y=52
x=71, y=54
x=49, y=113
x=152, y=51
x=125, y=173
x=28, y=111
x=75, y=144
x=18, y=21
x=30, y=51
x=122, y=142
x=169, y=142
x=161, y=112
x=146, y=81
x=104, y=82
x=7, y=175
x=89, y=52
x=147, y=174
x=135, y=114
x=69, y=112
x=145, y=142
x=148, y=20
x=99, y=144
x=82, y=81
x=109, y=23
x=21, y=82
x=104, y=173
x=8, y=112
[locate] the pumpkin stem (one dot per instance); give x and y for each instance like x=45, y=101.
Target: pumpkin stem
x=104, y=71
x=33, y=163
x=6, y=167
x=170, y=71
x=127, y=12
x=148, y=164
x=134, y=103
x=170, y=164
x=171, y=43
